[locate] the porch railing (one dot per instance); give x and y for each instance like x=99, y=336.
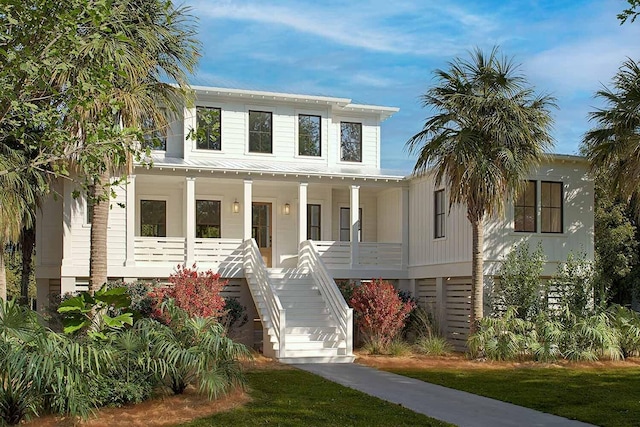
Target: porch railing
x=310, y=258
x=224, y=252
x=170, y=250
x=337, y=255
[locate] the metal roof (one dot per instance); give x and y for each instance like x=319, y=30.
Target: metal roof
x=274, y=168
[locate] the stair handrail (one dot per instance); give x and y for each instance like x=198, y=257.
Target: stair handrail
x=308, y=257
x=254, y=262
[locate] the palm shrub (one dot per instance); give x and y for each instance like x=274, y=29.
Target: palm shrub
x=502, y=338
x=589, y=337
x=196, y=351
x=548, y=333
x=41, y=370
x=627, y=324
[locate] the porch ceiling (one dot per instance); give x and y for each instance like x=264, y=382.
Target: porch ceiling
x=273, y=168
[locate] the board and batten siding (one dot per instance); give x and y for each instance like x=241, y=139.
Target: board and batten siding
x=424, y=249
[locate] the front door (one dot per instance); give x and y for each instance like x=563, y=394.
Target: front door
x=261, y=229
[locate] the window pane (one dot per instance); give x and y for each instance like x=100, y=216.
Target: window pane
x=153, y=218
x=313, y=222
x=525, y=208
x=208, y=128
x=207, y=218
x=351, y=142
x=439, y=214
x=309, y=135
x=260, y=132
x=552, y=207
x=345, y=224
x=154, y=136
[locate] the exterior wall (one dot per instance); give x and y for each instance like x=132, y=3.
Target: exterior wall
x=369, y=205
x=578, y=222
x=451, y=255
x=428, y=256
x=389, y=218
x=235, y=134
x=49, y=236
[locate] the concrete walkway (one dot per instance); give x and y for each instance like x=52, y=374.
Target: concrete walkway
x=453, y=406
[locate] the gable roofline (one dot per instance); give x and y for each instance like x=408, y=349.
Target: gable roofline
x=340, y=104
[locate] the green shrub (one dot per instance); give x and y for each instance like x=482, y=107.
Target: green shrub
x=433, y=346
x=519, y=284
x=589, y=338
x=573, y=285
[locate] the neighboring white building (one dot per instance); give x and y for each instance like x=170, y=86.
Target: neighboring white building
x=288, y=196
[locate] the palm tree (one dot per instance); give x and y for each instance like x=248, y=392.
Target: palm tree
x=488, y=131
x=149, y=43
x=613, y=146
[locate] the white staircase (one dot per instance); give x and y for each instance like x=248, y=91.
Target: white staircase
x=312, y=333
x=303, y=319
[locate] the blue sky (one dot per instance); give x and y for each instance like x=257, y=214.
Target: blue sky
x=384, y=52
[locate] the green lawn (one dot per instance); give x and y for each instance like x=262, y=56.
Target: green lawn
x=298, y=398
x=607, y=396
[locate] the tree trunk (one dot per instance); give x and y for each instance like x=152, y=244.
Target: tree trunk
x=477, y=272
x=27, y=243
x=3, y=276
x=99, y=223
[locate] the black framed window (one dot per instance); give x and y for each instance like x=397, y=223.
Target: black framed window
x=525, y=208
x=309, y=136
x=439, y=214
x=153, y=218
x=154, y=136
x=208, y=219
x=350, y=142
x=208, y=128
x=345, y=224
x=551, y=207
x=313, y=222
x=260, y=132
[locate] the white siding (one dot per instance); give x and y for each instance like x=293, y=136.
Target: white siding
x=390, y=216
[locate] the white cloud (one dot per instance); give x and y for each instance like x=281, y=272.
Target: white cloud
x=374, y=25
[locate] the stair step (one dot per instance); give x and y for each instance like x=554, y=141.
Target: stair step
x=313, y=352
x=311, y=330
x=331, y=337
x=320, y=359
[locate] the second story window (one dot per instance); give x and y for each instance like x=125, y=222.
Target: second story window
x=207, y=218
x=153, y=218
x=208, y=123
x=350, y=142
x=309, y=135
x=525, y=208
x=439, y=214
x=260, y=132
x=155, y=137
x=551, y=207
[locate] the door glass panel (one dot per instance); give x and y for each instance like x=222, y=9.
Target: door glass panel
x=261, y=230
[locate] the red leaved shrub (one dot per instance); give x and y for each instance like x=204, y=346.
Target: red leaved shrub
x=379, y=312
x=196, y=292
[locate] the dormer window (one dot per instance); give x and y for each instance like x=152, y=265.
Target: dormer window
x=260, y=132
x=309, y=135
x=350, y=142
x=208, y=123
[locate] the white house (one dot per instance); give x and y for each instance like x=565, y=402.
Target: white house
x=283, y=193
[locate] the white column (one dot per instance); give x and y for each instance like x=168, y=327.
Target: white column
x=405, y=227
x=246, y=210
x=190, y=219
x=354, y=209
x=302, y=212
x=130, y=260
